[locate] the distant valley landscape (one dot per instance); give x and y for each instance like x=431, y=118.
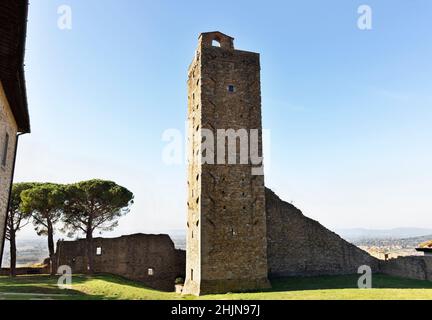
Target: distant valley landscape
x=387, y=242
x=354, y=234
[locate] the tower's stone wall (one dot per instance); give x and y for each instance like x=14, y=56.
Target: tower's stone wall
x=226, y=241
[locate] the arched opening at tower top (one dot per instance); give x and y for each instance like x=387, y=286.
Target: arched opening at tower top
x=216, y=39
x=216, y=42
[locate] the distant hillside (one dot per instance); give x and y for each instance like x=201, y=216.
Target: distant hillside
x=412, y=242
x=29, y=251
x=356, y=234
x=179, y=238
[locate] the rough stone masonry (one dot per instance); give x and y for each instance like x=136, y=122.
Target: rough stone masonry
x=239, y=233
x=226, y=235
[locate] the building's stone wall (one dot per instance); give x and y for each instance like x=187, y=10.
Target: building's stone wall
x=8, y=127
x=298, y=245
x=226, y=240
x=128, y=256
x=412, y=267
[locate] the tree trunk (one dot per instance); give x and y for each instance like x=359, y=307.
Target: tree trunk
x=51, y=247
x=90, y=257
x=12, y=242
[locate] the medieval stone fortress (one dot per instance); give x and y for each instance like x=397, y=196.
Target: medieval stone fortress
x=240, y=236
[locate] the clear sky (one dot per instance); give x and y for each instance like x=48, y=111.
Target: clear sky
x=349, y=110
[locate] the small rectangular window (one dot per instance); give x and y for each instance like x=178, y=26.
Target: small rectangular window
x=231, y=88
x=99, y=251
x=150, y=271
x=5, y=150
x=191, y=274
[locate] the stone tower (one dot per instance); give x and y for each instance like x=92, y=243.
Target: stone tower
x=226, y=238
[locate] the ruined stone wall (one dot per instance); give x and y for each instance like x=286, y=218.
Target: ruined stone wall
x=226, y=219
x=134, y=257
x=8, y=130
x=412, y=267
x=301, y=246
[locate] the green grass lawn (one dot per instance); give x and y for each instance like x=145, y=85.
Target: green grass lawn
x=296, y=288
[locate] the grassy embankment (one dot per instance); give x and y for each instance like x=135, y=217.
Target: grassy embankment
x=111, y=287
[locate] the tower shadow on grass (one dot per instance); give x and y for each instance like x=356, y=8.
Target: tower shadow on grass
x=379, y=281
x=40, y=287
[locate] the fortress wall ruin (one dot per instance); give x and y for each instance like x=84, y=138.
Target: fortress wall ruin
x=151, y=259
x=297, y=246
x=300, y=246
x=412, y=267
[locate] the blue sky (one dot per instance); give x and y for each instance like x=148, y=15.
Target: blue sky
x=349, y=110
